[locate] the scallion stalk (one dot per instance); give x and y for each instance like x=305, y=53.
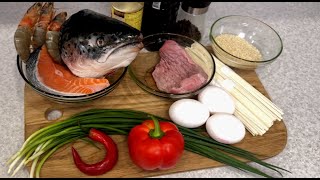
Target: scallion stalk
x=44, y=142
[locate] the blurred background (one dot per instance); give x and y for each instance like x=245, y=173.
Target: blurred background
x=292, y=81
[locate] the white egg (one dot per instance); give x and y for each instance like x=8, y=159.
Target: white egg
x=225, y=128
x=217, y=100
x=189, y=113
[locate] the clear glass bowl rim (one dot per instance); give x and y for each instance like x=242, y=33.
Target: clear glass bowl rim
x=171, y=95
x=257, y=20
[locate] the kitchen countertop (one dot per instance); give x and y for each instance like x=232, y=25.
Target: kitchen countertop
x=292, y=81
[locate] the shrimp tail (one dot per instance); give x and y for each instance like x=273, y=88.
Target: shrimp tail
x=52, y=41
x=53, y=36
x=39, y=36
x=23, y=34
x=22, y=41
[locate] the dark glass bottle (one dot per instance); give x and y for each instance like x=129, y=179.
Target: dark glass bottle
x=159, y=17
x=191, y=19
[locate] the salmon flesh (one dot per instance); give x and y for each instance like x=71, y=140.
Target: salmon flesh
x=93, y=44
x=47, y=75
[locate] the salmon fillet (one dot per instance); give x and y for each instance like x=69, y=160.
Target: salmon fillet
x=60, y=78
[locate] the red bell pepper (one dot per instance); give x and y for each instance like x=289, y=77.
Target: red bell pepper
x=155, y=145
x=107, y=163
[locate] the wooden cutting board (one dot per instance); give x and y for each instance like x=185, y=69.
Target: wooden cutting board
x=129, y=95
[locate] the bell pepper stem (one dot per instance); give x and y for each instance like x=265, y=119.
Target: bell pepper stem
x=156, y=132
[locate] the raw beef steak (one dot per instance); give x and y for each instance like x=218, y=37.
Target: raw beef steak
x=176, y=72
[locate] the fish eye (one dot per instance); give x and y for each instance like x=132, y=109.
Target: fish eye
x=101, y=42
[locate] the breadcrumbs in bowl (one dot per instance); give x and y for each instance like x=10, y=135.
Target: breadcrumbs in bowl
x=244, y=42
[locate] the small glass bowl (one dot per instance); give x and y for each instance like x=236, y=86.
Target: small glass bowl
x=254, y=31
x=142, y=67
x=114, y=79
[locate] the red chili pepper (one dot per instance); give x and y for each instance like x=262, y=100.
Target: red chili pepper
x=107, y=163
x=155, y=145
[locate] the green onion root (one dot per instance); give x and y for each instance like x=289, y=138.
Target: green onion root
x=44, y=142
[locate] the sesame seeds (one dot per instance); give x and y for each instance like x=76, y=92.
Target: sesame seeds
x=238, y=47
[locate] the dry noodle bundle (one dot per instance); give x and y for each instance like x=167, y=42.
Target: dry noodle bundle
x=255, y=110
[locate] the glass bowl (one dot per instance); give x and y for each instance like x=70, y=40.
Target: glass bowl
x=142, y=67
x=258, y=34
x=114, y=79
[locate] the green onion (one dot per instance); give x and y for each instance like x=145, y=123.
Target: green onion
x=44, y=142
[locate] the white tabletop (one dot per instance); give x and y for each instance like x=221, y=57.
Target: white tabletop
x=292, y=81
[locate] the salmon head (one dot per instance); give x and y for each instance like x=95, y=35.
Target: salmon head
x=92, y=44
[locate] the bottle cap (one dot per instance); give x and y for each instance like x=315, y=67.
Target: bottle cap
x=195, y=7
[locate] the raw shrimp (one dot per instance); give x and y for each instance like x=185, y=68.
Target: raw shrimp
x=23, y=34
x=46, y=15
x=53, y=36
